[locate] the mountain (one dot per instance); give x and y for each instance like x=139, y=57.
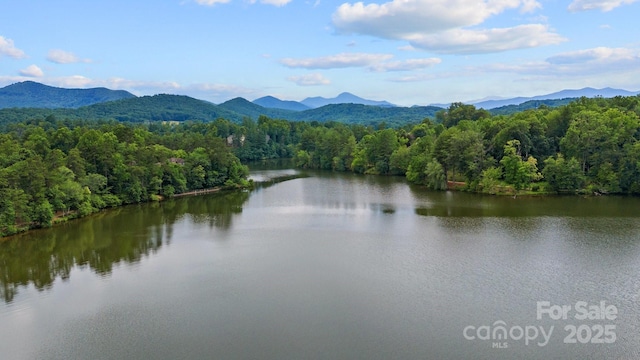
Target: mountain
x=36, y=95
x=344, y=98
x=564, y=94
x=271, y=102
x=161, y=107
x=246, y=108
x=181, y=108
x=531, y=104
x=367, y=114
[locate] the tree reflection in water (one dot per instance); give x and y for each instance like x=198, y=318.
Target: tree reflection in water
x=122, y=235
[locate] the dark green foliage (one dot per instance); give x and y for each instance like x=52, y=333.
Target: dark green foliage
x=563, y=175
x=529, y=105
x=599, y=137
x=366, y=115
x=160, y=108
x=32, y=94
x=50, y=171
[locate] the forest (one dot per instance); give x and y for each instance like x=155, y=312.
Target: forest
x=52, y=169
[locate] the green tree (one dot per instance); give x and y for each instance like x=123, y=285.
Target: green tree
x=563, y=175
x=517, y=172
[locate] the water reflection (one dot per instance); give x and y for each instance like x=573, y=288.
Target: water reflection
x=123, y=235
x=459, y=204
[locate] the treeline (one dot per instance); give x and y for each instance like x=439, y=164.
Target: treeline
x=52, y=169
x=588, y=146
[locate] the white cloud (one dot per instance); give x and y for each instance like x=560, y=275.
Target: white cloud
x=277, y=3
x=420, y=77
x=462, y=41
x=211, y=2
x=8, y=48
x=64, y=57
x=406, y=65
x=309, y=80
x=407, y=48
x=590, y=63
x=373, y=62
x=602, y=5
x=599, y=54
x=343, y=60
x=530, y=6
x=431, y=24
x=32, y=71
x=401, y=18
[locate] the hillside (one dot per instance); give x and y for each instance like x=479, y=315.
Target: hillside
x=344, y=98
x=246, y=108
x=531, y=104
x=181, y=108
x=31, y=94
x=560, y=95
x=367, y=114
x=271, y=102
x=157, y=108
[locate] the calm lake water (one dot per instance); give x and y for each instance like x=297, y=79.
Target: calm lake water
x=329, y=266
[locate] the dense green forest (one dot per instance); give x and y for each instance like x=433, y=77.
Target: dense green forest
x=52, y=168
x=588, y=146
x=164, y=107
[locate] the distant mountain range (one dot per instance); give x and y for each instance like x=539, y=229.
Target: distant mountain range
x=344, y=98
x=30, y=99
x=564, y=94
x=36, y=95
x=271, y=102
x=181, y=108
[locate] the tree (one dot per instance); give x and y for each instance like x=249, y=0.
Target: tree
x=435, y=176
x=563, y=175
x=517, y=172
x=490, y=180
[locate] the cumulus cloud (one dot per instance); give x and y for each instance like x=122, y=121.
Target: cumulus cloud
x=587, y=62
x=372, y=62
x=8, y=48
x=309, y=80
x=64, y=57
x=462, y=41
x=599, y=54
x=530, y=6
x=343, y=60
x=32, y=71
x=406, y=65
x=602, y=5
x=429, y=24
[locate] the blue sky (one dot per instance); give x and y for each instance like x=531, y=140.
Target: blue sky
x=404, y=51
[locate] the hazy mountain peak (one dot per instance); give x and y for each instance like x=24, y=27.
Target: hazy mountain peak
x=271, y=102
x=343, y=98
x=563, y=94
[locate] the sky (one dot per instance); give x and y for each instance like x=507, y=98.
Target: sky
x=408, y=52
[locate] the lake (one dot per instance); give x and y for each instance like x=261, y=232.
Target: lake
x=329, y=266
